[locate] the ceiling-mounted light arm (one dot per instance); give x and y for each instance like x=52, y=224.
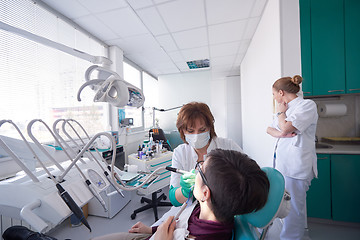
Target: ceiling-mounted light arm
x=162, y=110
x=72, y=51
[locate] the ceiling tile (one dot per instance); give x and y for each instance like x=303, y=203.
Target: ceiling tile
x=195, y=54
x=167, y=43
x=182, y=66
x=76, y=10
x=227, y=10
x=224, y=49
x=98, y=6
x=176, y=56
x=191, y=38
x=161, y=1
x=136, y=4
x=252, y=24
x=123, y=22
x=227, y=32
x=243, y=46
x=141, y=43
x=183, y=14
x=96, y=27
x=151, y=18
x=258, y=8
x=225, y=60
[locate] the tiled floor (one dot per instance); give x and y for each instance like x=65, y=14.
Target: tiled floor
x=318, y=230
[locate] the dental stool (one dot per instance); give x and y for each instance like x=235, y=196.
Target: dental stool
x=277, y=206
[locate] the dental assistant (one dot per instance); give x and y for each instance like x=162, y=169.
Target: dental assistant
x=294, y=126
x=195, y=123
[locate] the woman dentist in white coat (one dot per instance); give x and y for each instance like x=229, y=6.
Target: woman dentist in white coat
x=195, y=123
x=294, y=156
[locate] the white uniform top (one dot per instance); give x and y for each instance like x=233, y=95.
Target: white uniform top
x=185, y=157
x=296, y=156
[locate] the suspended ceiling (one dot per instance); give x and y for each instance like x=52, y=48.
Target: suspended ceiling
x=162, y=35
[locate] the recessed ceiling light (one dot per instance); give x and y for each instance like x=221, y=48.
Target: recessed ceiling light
x=196, y=64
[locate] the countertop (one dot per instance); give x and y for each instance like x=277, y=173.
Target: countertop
x=339, y=149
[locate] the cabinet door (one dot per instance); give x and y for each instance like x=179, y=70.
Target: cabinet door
x=345, y=182
x=352, y=40
x=328, y=51
x=318, y=199
x=305, y=35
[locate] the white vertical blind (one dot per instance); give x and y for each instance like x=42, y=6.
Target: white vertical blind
x=39, y=82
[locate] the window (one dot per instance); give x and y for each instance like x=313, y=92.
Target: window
x=133, y=76
x=151, y=93
x=39, y=82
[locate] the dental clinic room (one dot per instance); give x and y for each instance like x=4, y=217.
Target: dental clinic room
x=179, y=119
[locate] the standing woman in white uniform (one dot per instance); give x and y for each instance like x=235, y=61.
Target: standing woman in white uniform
x=294, y=156
x=195, y=123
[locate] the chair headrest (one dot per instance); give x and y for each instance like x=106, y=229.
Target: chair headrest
x=265, y=215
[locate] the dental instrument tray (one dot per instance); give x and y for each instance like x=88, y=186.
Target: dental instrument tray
x=140, y=178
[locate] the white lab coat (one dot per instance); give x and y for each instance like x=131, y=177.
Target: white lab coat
x=296, y=160
x=185, y=157
x=296, y=156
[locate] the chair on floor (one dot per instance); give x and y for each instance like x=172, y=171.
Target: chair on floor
x=153, y=203
x=277, y=206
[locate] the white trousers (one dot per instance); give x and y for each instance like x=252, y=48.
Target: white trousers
x=295, y=223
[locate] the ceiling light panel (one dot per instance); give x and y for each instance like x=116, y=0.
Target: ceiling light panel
x=183, y=14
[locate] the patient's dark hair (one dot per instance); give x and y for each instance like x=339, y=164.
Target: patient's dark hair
x=237, y=184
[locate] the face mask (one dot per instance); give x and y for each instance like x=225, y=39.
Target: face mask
x=198, y=140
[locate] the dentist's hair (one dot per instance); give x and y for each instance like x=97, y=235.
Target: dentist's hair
x=288, y=84
x=237, y=184
x=192, y=111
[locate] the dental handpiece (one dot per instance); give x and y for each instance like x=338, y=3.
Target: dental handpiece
x=72, y=205
x=176, y=170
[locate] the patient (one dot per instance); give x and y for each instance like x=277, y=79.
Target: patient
x=228, y=183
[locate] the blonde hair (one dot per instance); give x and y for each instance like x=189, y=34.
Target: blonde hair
x=288, y=84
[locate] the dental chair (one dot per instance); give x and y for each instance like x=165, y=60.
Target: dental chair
x=247, y=226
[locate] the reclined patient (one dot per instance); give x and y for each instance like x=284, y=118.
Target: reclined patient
x=228, y=183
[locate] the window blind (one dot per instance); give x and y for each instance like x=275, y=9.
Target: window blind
x=39, y=82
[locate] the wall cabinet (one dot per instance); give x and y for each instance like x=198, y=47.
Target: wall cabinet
x=335, y=193
x=330, y=33
x=352, y=40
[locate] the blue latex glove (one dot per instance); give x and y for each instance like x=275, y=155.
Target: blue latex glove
x=187, y=182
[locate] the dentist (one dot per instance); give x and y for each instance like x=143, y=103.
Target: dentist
x=195, y=123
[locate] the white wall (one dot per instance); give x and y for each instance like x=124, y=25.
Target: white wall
x=222, y=96
x=260, y=67
x=179, y=89
x=264, y=63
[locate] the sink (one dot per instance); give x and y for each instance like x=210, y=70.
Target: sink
x=322, y=145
